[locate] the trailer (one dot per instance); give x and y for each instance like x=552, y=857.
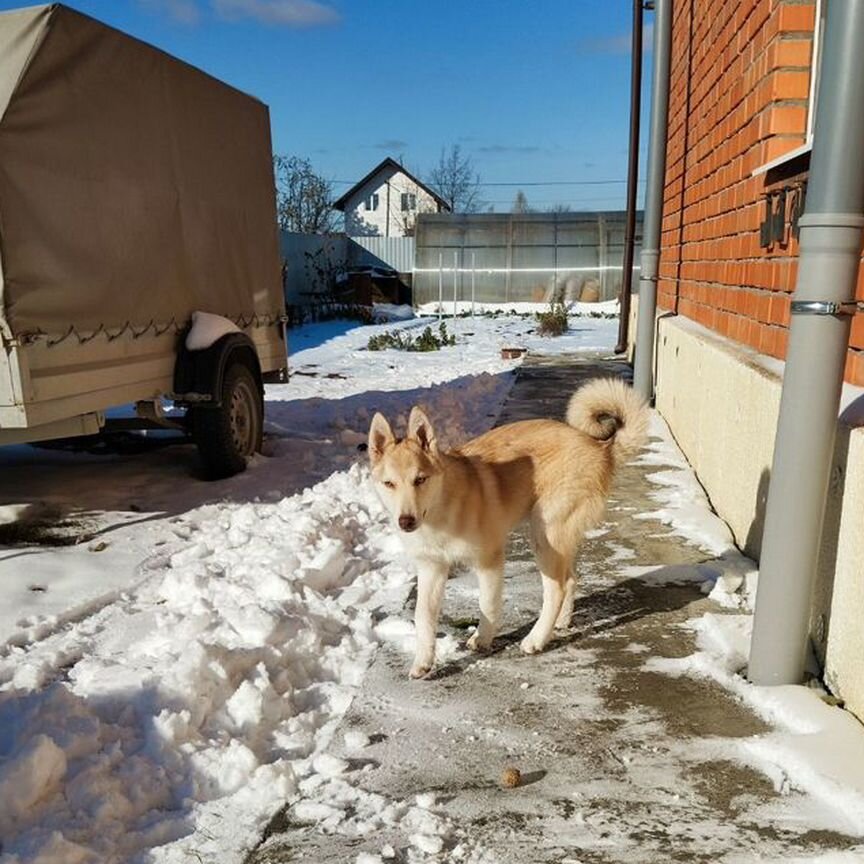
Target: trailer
x=136, y=196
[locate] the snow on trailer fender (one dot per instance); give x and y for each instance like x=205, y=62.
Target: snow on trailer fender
x=134, y=190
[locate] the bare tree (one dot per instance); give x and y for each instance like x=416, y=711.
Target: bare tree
x=456, y=181
x=304, y=199
x=520, y=203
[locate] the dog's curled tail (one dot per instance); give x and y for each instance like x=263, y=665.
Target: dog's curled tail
x=607, y=409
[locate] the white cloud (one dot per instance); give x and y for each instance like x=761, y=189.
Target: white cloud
x=290, y=13
x=184, y=11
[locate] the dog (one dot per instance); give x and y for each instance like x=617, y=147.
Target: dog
x=460, y=506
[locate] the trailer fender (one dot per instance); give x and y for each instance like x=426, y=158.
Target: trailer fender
x=199, y=375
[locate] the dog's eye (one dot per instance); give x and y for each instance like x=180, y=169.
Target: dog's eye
x=389, y=484
x=419, y=481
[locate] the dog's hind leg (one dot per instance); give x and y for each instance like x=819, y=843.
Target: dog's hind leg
x=555, y=544
x=490, y=579
x=431, y=579
x=554, y=578
x=566, y=612
x=555, y=569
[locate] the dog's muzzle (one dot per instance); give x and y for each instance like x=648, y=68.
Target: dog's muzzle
x=407, y=523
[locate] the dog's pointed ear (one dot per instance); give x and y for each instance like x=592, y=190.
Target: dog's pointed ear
x=380, y=435
x=420, y=429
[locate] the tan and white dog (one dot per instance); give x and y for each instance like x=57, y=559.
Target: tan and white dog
x=460, y=506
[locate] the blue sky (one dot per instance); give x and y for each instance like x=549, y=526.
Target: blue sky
x=532, y=90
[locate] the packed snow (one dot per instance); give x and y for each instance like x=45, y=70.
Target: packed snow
x=173, y=680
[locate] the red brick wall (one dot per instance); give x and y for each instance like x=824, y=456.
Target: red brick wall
x=740, y=78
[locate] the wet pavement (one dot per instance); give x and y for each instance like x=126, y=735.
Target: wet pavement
x=618, y=763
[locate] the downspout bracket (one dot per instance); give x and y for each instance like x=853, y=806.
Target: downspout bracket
x=824, y=307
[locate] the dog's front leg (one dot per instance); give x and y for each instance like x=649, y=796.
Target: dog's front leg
x=431, y=579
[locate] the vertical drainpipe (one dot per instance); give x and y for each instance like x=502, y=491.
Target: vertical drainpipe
x=632, y=175
x=643, y=372
x=819, y=334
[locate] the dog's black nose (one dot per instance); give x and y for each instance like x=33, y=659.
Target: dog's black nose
x=407, y=523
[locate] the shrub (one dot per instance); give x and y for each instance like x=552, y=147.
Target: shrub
x=383, y=341
x=553, y=322
x=399, y=340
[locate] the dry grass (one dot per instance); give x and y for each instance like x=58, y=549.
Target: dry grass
x=554, y=322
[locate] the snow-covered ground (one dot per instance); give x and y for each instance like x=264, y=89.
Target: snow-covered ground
x=171, y=678
x=606, y=309
x=169, y=682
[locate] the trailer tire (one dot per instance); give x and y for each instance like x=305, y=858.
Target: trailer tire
x=229, y=434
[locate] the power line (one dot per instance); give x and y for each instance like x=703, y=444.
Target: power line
x=612, y=196
x=568, y=206
x=527, y=183
x=560, y=183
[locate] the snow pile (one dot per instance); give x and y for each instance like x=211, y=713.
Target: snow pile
x=736, y=590
x=685, y=506
x=405, y=829
x=207, y=329
x=212, y=692
x=383, y=312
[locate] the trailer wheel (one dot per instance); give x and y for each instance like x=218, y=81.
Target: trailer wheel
x=227, y=435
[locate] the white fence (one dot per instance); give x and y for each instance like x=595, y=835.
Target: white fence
x=312, y=261
x=395, y=252
x=519, y=257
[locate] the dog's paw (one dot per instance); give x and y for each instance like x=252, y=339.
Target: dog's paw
x=418, y=670
x=474, y=643
x=531, y=645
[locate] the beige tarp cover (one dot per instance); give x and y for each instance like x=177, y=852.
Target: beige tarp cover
x=133, y=187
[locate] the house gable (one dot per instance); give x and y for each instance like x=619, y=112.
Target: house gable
x=386, y=202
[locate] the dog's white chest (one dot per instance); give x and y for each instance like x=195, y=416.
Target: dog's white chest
x=429, y=543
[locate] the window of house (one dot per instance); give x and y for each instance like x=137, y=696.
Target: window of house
x=813, y=98
x=409, y=201
x=815, y=66
x=371, y=202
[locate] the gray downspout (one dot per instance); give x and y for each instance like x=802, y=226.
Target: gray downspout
x=818, y=338
x=643, y=365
